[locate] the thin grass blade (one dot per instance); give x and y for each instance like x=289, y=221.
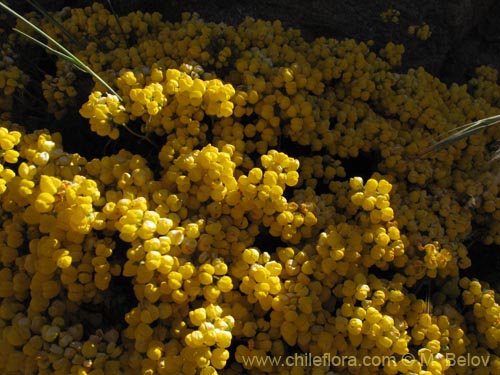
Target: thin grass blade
x=117, y=20
x=78, y=63
x=462, y=132
x=49, y=17
x=54, y=51
x=496, y=156
x=34, y=27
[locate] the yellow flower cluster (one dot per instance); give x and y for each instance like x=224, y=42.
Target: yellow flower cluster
x=104, y=113
x=170, y=98
x=51, y=257
x=12, y=78
x=485, y=311
x=485, y=84
x=390, y=15
x=213, y=330
x=261, y=281
x=251, y=232
x=422, y=32
x=9, y=155
x=59, y=91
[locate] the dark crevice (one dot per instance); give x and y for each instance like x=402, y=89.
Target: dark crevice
x=292, y=148
x=484, y=257
x=117, y=300
x=265, y=242
x=364, y=165
x=380, y=273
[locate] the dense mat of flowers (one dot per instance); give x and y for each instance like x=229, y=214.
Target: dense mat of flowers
x=251, y=233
